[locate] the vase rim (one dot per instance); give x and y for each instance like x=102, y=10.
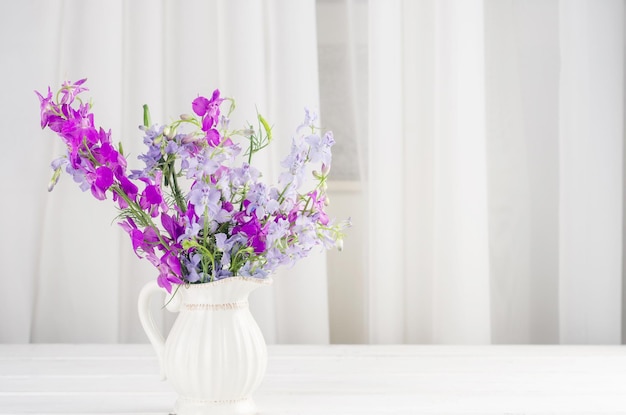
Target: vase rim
x=260, y=281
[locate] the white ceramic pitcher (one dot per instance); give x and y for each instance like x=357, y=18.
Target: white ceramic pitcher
x=215, y=355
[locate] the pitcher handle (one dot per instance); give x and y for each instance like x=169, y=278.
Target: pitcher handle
x=148, y=324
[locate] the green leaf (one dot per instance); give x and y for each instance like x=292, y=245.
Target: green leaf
x=266, y=127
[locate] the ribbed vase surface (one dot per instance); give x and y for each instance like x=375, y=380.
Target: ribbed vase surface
x=215, y=355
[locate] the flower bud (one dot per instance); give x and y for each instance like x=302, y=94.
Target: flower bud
x=167, y=132
x=325, y=169
x=55, y=179
x=185, y=117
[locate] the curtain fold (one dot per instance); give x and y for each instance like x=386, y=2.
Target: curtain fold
x=454, y=221
x=495, y=168
x=386, y=251
x=77, y=278
x=22, y=213
x=591, y=99
x=461, y=287
x=522, y=66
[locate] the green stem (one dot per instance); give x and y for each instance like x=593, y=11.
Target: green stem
x=178, y=197
x=180, y=201
x=140, y=214
x=205, y=236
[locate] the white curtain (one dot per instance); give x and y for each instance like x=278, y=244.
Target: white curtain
x=491, y=171
x=69, y=272
x=479, y=153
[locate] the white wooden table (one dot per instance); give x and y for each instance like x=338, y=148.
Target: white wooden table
x=303, y=380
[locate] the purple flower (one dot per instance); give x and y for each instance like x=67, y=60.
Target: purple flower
x=276, y=230
x=175, y=228
x=318, y=204
x=251, y=227
x=257, y=199
x=294, y=163
x=103, y=180
x=204, y=197
x=142, y=241
x=166, y=278
x=170, y=259
x=130, y=190
x=240, y=176
x=192, y=264
x=250, y=270
x=200, y=166
x=320, y=148
x=79, y=175
x=151, y=199
x=296, y=159
x=213, y=137
x=224, y=221
x=171, y=147
x=209, y=110
x=70, y=90
x=191, y=231
x=170, y=269
x=310, y=117
x=48, y=109
x=200, y=106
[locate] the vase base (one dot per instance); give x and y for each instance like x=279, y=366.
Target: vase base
x=189, y=406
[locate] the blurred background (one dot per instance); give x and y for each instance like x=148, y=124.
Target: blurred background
x=479, y=152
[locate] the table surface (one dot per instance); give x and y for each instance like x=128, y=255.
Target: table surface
x=303, y=380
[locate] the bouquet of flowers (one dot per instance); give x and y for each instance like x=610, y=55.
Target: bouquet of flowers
x=198, y=210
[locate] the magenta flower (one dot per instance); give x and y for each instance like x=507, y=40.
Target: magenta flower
x=169, y=271
x=200, y=106
x=318, y=205
x=251, y=227
x=166, y=278
x=128, y=188
x=151, y=199
x=103, y=180
x=48, y=109
x=175, y=228
x=209, y=110
x=213, y=137
x=69, y=91
x=142, y=241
